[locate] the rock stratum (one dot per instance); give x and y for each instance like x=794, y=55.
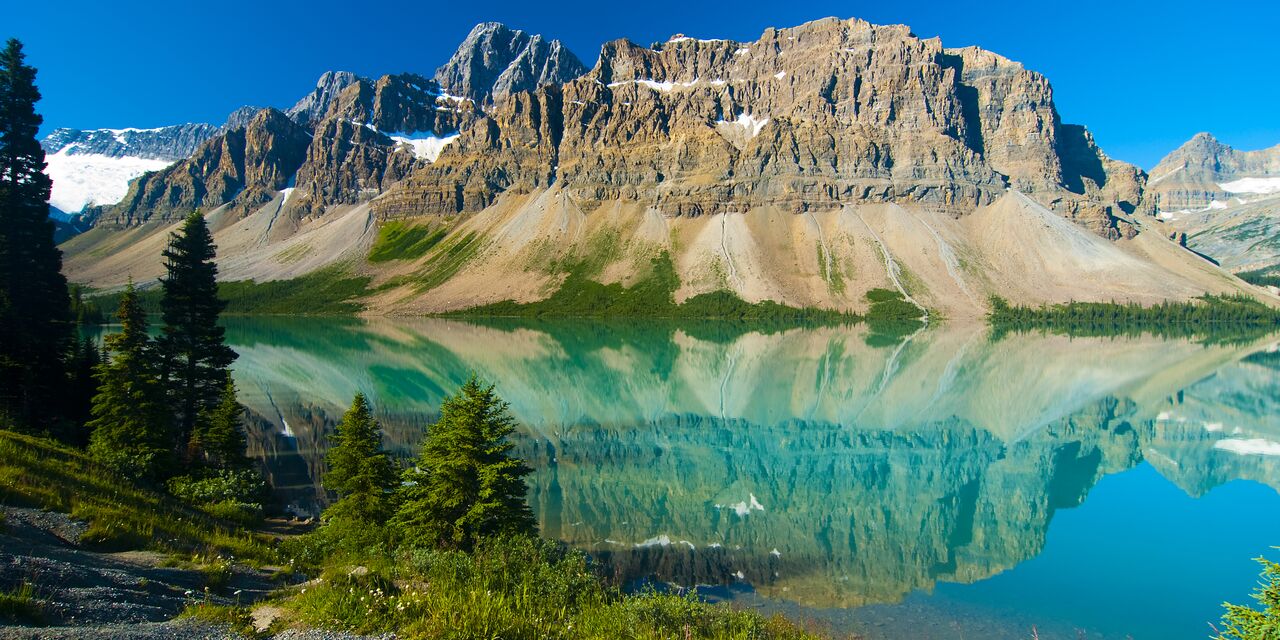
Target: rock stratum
x=806, y=167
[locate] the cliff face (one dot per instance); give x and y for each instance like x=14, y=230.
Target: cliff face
x=827, y=114
x=243, y=168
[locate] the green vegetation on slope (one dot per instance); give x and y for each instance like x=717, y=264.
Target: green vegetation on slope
x=650, y=297
x=401, y=240
x=40, y=473
x=1226, y=317
x=1269, y=277
x=515, y=588
x=328, y=291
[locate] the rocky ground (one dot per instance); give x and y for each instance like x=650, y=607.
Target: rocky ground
x=91, y=594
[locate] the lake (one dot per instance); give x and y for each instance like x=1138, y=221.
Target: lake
x=945, y=486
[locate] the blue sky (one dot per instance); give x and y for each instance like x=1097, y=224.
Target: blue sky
x=1144, y=77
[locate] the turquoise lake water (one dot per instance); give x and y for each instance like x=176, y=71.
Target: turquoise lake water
x=947, y=486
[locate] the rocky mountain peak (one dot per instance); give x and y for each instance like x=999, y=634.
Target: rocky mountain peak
x=313, y=106
x=494, y=61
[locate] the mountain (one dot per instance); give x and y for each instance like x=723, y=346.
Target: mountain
x=1226, y=202
x=95, y=166
x=806, y=167
x=494, y=62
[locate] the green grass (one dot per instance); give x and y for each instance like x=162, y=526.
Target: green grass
x=401, y=240
x=238, y=618
x=447, y=260
x=40, y=473
x=20, y=606
x=514, y=589
x=652, y=296
x=1217, y=318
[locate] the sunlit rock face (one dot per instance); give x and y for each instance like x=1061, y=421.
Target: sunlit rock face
x=804, y=463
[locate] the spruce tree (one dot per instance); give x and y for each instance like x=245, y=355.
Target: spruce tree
x=83, y=386
x=34, y=303
x=192, y=343
x=466, y=484
x=364, y=477
x=130, y=425
x=219, y=440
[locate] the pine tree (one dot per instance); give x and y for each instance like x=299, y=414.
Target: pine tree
x=194, y=352
x=83, y=386
x=1242, y=622
x=219, y=439
x=130, y=425
x=466, y=484
x=363, y=475
x=34, y=303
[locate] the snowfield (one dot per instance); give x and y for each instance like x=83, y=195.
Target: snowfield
x=425, y=147
x=1252, y=185
x=82, y=180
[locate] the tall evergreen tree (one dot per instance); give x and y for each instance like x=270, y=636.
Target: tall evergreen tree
x=34, y=305
x=192, y=344
x=219, y=439
x=363, y=475
x=130, y=425
x=83, y=386
x=466, y=484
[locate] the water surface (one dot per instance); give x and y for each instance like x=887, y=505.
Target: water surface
x=948, y=486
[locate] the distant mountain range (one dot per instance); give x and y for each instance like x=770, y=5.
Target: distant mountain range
x=807, y=167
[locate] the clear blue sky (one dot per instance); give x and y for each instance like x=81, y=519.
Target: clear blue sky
x=1144, y=77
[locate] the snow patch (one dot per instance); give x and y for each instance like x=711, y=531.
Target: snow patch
x=1252, y=185
x=780, y=75
x=425, y=147
x=750, y=124
x=655, y=85
x=1249, y=446
x=1213, y=427
x=84, y=179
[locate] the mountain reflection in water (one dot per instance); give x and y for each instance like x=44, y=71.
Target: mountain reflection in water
x=806, y=463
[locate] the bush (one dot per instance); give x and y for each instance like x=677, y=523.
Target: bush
x=243, y=486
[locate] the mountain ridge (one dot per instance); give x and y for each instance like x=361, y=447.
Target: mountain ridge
x=833, y=153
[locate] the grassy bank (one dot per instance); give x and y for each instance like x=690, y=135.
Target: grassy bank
x=35, y=472
x=511, y=588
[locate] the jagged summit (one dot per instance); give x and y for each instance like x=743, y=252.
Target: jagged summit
x=313, y=106
x=495, y=61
